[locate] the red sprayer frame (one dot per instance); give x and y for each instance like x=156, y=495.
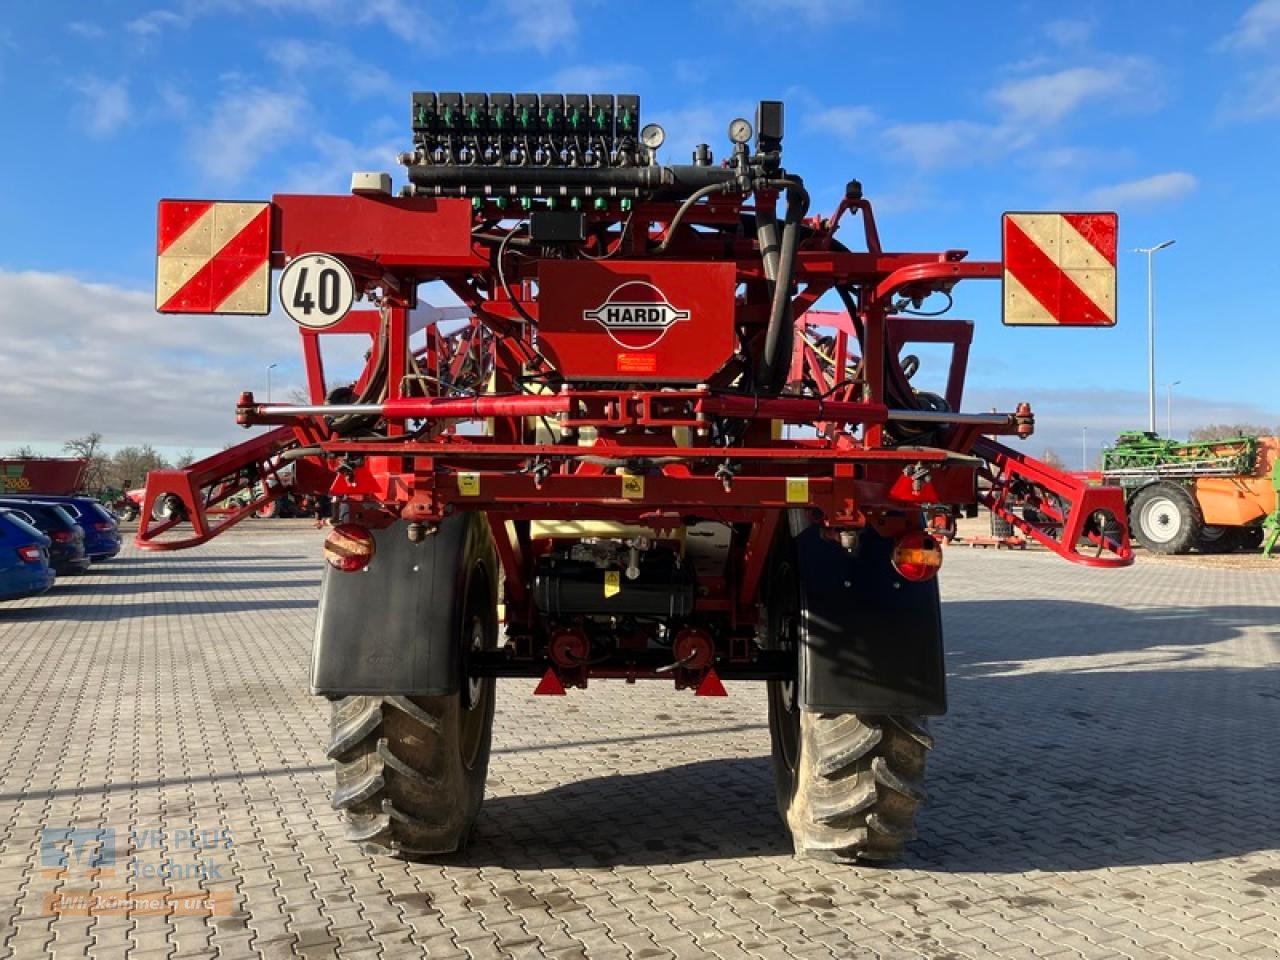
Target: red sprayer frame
x=544, y=404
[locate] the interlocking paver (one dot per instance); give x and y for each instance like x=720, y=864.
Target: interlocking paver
x=1104, y=785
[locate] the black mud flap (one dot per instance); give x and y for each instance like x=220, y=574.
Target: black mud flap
x=395, y=628
x=871, y=642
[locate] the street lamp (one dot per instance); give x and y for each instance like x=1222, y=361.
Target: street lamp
x=1169, y=422
x=269, y=369
x=1151, y=332
x=1084, y=448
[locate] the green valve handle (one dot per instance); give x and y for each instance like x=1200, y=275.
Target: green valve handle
x=624, y=119
x=500, y=116
x=500, y=203
x=599, y=118
x=626, y=204
x=526, y=203
x=575, y=117
x=575, y=203
x=448, y=116
x=524, y=117
x=421, y=115
x=476, y=203
x=601, y=203
x=473, y=117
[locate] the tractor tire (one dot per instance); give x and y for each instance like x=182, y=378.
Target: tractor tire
x=1165, y=519
x=1251, y=537
x=411, y=770
x=848, y=786
x=1221, y=539
x=1001, y=528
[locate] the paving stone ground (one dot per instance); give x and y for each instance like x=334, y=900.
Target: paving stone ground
x=1106, y=784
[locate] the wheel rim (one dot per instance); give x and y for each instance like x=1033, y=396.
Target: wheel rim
x=1161, y=519
x=477, y=692
x=783, y=631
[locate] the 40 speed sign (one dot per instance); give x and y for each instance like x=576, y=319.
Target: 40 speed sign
x=316, y=290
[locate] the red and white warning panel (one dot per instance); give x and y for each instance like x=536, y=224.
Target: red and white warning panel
x=1060, y=269
x=213, y=257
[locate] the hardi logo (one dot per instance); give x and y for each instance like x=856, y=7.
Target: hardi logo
x=636, y=315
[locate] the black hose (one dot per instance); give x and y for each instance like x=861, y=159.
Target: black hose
x=776, y=360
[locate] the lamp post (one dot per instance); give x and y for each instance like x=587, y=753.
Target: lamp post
x=269, y=369
x=1151, y=330
x=1084, y=448
x=1169, y=420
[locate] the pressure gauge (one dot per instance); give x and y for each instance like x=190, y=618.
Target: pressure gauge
x=739, y=131
x=652, y=136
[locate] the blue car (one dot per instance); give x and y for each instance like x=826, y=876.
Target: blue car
x=66, y=551
x=101, y=530
x=24, y=559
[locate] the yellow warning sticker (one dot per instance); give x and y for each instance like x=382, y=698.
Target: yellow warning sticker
x=612, y=583
x=469, y=484
x=797, y=489
x=632, y=487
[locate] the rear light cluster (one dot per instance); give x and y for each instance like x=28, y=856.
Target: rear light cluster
x=349, y=547
x=30, y=554
x=917, y=556
x=61, y=536
x=104, y=526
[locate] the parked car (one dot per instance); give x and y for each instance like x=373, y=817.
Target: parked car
x=66, y=550
x=101, y=529
x=24, y=559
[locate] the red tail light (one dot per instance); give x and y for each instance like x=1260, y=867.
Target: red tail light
x=104, y=526
x=30, y=554
x=61, y=536
x=917, y=556
x=349, y=547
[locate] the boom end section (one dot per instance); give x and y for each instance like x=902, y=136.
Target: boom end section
x=1083, y=523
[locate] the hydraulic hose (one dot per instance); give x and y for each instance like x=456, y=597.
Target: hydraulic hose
x=775, y=359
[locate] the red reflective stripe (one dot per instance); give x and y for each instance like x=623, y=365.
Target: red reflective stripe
x=1045, y=281
x=176, y=218
x=1099, y=229
x=226, y=270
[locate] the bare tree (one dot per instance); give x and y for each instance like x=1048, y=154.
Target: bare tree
x=23, y=452
x=89, y=447
x=1051, y=458
x=130, y=465
x=1225, y=431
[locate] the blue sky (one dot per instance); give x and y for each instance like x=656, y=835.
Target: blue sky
x=948, y=114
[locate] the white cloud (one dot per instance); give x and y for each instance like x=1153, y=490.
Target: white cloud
x=308, y=58
x=105, y=107
x=1160, y=188
x=945, y=143
x=847, y=123
x=82, y=28
x=123, y=369
x=543, y=25
x=1070, y=32
x=397, y=16
x=595, y=77
x=812, y=11
x=243, y=128
x=1259, y=97
x=155, y=21
x=1047, y=98
x=337, y=160
x=1256, y=29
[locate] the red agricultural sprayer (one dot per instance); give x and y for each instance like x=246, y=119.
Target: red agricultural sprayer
x=637, y=452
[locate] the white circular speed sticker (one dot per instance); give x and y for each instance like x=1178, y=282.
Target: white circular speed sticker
x=316, y=290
